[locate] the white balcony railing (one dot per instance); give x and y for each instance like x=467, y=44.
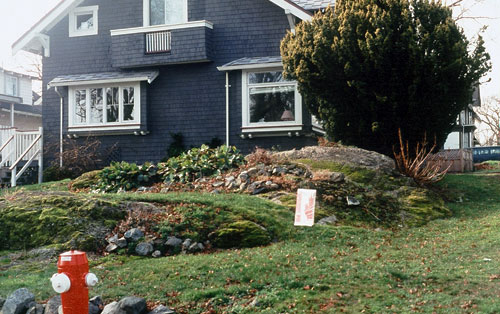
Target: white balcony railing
x=158, y=42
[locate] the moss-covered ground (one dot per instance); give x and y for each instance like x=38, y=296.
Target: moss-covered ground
x=448, y=265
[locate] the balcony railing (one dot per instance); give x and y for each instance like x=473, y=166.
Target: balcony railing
x=158, y=42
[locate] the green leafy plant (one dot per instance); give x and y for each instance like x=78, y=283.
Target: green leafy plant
x=199, y=162
x=126, y=176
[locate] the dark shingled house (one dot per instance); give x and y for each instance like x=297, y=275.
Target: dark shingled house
x=132, y=72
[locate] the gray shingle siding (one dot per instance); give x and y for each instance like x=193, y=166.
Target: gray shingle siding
x=187, y=98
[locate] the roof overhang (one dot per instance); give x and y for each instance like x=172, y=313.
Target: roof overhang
x=10, y=99
x=103, y=78
x=35, y=40
x=252, y=63
x=294, y=9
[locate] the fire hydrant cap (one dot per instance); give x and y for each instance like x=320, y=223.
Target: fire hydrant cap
x=60, y=283
x=91, y=280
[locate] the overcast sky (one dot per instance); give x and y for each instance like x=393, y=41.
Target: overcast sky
x=17, y=16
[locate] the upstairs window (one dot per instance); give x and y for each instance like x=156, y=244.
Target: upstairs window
x=83, y=21
x=11, y=85
x=165, y=12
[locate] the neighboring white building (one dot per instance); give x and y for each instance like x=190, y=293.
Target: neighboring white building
x=16, y=101
x=463, y=131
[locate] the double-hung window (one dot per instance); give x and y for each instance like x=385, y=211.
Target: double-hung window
x=269, y=100
x=83, y=21
x=11, y=85
x=166, y=12
x=110, y=106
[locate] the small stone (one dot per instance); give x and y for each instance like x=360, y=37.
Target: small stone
x=352, y=201
x=161, y=309
x=229, y=181
x=243, y=176
x=156, y=254
x=132, y=305
x=111, y=248
x=52, y=306
x=268, y=183
x=327, y=220
x=186, y=244
x=173, y=242
x=216, y=191
x=95, y=305
x=196, y=247
x=337, y=177
x=252, y=171
x=111, y=308
x=258, y=191
x=134, y=234
x=144, y=249
x=37, y=309
x=122, y=243
x=142, y=189
x=274, y=186
x=232, y=185
x=218, y=184
x=113, y=239
x=18, y=302
x=164, y=190
x=243, y=186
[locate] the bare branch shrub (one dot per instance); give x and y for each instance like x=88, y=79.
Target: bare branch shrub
x=324, y=142
x=260, y=156
x=416, y=166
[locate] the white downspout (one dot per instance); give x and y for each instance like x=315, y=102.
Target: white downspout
x=60, y=127
x=227, y=108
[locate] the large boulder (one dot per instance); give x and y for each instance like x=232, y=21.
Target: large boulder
x=241, y=233
x=18, y=302
x=352, y=156
x=132, y=305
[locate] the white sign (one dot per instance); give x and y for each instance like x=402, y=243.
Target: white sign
x=304, y=212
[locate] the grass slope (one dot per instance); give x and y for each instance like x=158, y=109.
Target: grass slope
x=446, y=266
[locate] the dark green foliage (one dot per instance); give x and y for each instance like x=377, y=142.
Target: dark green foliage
x=214, y=142
x=122, y=175
x=376, y=66
x=66, y=220
x=199, y=162
x=55, y=173
x=242, y=233
x=177, y=147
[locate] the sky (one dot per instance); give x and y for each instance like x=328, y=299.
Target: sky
x=17, y=16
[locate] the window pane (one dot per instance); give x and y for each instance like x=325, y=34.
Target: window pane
x=272, y=104
x=266, y=77
x=84, y=21
x=157, y=12
x=175, y=12
x=96, y=105
x=80, y=106
x=128, y=104
x=11, y=85
x=112, y=104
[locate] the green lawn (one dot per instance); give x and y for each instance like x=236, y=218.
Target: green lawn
x=446, y=266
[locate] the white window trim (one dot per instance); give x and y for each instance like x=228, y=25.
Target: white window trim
x=146, y=13
x=110, y=126
x=248, y=127
x=6, y=77
x=73, y=32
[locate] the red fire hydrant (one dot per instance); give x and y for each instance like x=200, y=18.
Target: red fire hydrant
x=72, y=281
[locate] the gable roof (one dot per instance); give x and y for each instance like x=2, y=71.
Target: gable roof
x=34, y=40
x=16, y=74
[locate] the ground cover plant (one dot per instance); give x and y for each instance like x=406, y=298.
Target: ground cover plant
x=446, y=266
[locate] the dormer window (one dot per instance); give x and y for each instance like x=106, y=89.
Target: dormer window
x=83, y=21
x=166, y=12
x=11, y=85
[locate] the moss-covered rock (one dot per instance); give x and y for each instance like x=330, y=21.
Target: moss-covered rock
x=420, y=206
x=64, y=220
x=85, y=181
x=242, y=233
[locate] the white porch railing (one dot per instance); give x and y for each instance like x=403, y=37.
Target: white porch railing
x=21, y=147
